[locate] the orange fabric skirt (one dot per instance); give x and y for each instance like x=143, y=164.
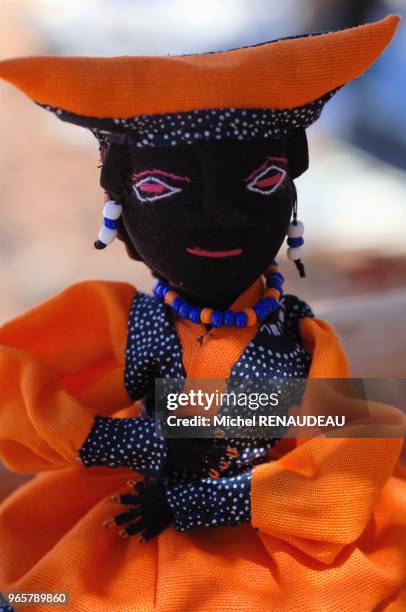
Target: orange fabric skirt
x=52, y=540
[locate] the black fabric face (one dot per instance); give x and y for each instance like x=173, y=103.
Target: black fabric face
x=208, y=218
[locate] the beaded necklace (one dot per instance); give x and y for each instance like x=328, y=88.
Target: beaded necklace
x=218, y=318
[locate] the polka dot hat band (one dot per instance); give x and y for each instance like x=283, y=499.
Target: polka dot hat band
x=257, y=92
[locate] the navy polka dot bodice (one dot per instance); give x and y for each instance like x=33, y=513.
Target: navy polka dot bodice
x=154, y=349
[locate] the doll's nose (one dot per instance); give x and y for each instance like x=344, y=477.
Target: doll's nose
x=224, y=211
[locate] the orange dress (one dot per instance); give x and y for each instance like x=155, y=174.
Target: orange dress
x=328, y=529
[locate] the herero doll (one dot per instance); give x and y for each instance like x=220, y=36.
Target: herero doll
x=199, y=155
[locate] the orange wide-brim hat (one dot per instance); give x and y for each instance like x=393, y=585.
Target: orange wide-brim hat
x=252, y=92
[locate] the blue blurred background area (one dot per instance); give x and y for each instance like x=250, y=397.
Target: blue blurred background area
x=352, y=200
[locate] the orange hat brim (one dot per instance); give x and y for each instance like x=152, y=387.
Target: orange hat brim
x=282, y=74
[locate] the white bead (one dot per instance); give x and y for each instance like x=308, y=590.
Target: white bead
x=107, y=235
x=112, y=210
x=294, y=253
x=295, y=231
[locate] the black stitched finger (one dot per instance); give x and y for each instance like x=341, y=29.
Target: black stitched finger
x=129, y=499
x=213, y=450
x=137, y=485
x=148, y=534
x=134, y=528
x=150, y=512
x=125, y=517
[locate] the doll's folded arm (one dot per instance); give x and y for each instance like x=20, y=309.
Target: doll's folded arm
x=211, y=502
x=132, y=442
x=125, y=442
x=207, y=502
x=44, y=426
x=61, y=364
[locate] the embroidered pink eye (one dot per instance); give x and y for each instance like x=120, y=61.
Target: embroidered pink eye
x=151, y=185
x=267, y=178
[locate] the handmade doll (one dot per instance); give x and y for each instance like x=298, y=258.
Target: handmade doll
x=199, y=155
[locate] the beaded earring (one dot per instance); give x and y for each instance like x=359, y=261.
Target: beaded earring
x=111, y=214
x=295, y=242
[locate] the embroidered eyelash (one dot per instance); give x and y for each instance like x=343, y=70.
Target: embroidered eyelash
x=169, y=175
x=265, y=165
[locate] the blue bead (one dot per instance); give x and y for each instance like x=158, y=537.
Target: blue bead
x=158, y=290
x=295, y=242
x=111, y=223
x=165, y=290
x=272, y=304
x=194, y=314
x=261, y=303
x=261, y=315
x=184, y=311
x=177, y=303
x=260, y=310
x=276, y=284
x=229, y=318
x=275, y=278
x=241, y=319
x=217, y=318
x=274, y=262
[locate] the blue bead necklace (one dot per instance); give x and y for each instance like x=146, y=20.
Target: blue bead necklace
x=248, y=317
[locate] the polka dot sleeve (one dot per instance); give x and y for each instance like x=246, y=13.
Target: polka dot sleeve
x=211, y=502
x=127, y=442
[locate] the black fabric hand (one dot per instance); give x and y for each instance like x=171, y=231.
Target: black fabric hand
x=211, y=502
x=129, y=442
x=205, y=457
x=149, y=513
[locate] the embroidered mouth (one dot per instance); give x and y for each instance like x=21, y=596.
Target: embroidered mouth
x=208, y=253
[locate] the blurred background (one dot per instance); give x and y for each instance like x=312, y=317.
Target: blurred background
x=352, y=201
